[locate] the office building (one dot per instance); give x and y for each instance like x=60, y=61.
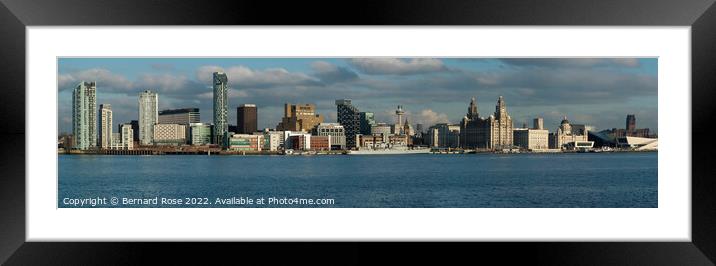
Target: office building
x=246, y=119
x=200, y=134
x=321, y=143
x=273, y=140
x=444, y=135
x=221, y=108
x=299, y=117
x=245, y=142
x=184, y=116
x=531, y=139
x=135, y=129
x=336, y=132
x=84, y=115
x=169, y=134
x=349, y=117
x=148, y=116
x=491, y=133
x=569, y=136
x=105, y=126
x=367, y=121
x=298, y=141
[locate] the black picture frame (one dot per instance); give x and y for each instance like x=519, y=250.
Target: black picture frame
x=15, y=15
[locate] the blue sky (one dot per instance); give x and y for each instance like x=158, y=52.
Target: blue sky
x=594, y=91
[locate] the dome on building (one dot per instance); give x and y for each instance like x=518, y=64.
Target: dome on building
x=564, y=121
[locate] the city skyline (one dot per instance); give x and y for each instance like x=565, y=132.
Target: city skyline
x=592, y=91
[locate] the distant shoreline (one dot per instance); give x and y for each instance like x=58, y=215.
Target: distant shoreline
x=306, y=153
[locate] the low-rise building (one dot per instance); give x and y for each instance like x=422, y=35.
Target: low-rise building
x=246, y=142
x=273, y=140
x=320, y=143
x=169, y=134
x=299, y=142
x=199, y=134
x=336, y=132
x=531, y=139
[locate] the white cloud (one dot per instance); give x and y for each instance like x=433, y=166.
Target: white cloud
x=241, y=76
x=396, y=66
x=103, y=77
x=429, y=117
x=163, y=82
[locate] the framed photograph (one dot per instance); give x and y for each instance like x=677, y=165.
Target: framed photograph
x=517, y=127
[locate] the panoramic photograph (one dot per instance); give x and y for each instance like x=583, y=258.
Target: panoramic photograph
x=363, y=132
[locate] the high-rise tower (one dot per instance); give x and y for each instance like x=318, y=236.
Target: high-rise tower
x=84, y=115
x=148, y=116
x=349, y=118
x=246, y=119
x=221, y=107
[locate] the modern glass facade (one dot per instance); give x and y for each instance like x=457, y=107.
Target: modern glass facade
x=349, y=118
x=367, y=120
x=221, y=107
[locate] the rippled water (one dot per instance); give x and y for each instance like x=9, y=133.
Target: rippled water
x=421, y=180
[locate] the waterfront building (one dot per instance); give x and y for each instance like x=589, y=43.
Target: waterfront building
x=246, y=142
x=491, y=133
x=105, y=126
x=569, y=136
x=336, y=132
x=349, y=117
x=221, y=108
x=200, y=134
x=638, y=143
x=169, y=134
x=299, y=117
x=116, y=142
x=298, y=141
x=321, y=143
x=84, y=115
x=273, y=140
x=444, y=135
x=184, y=116
x=148, y=116
x=367, y=121
x=127, y=136
x=381, y=129
x=531, y=138
x=246, y=119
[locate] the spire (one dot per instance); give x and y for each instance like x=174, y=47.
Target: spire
x=472, y=110
x=500, y=108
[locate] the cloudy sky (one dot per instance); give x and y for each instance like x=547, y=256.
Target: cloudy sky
x=594, y=91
